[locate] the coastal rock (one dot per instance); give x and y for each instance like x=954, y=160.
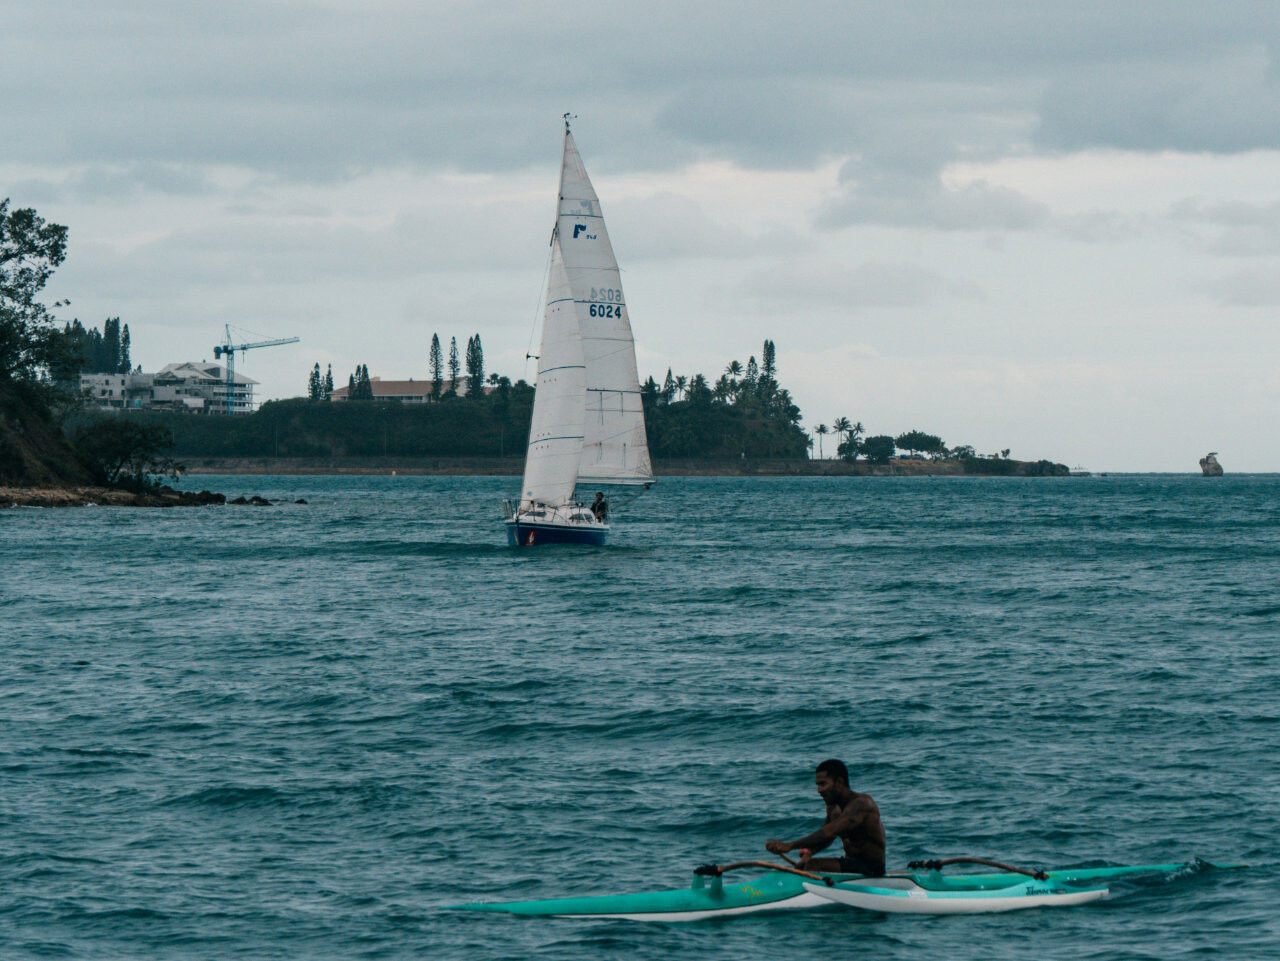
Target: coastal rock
x=1209, y=465
x=104, y=497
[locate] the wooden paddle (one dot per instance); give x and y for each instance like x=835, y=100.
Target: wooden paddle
x=938, y=865
x=715, y=870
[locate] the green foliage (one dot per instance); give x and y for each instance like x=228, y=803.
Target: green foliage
x=122, y=452
x=30, y=251
x=359, y=387
x=475, y=368
x=918, y=441
x=315, y=385
x=453, y=365
x=496, y=426
x=994, y=466
x=878, y=449
x=751, y=418
x=436, y=361
x=76, y=349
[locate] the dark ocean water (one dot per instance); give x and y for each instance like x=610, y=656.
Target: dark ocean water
x=299, y=731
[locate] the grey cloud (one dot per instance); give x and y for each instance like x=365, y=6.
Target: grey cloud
x=851, y=288
x=299, y=250
x=875, y=197
x=667, y=226
x=1227, y=103
x=1101, y=226
x=1246, y=288
x=1242, y=229
x=321, y=89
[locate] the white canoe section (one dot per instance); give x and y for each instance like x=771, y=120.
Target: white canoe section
x=903, y=896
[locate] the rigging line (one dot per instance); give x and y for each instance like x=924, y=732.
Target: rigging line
x=533, y=327
x=246, y=330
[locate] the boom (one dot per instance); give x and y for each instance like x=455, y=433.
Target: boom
x=229, y=348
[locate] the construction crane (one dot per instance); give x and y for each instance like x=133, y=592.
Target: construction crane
x=229, y=348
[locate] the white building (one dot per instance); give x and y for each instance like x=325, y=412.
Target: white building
x=197, y=387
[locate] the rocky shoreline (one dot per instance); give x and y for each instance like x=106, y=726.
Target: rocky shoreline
x=104, y=497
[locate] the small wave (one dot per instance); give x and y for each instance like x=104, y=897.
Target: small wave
x=229, y=797
x=1269, y=611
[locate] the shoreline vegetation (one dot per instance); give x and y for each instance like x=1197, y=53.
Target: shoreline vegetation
x=84, y=496
x=684, y=467
x=57, y=448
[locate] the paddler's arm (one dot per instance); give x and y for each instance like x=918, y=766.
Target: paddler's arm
x=811, y=842
x=822, y=837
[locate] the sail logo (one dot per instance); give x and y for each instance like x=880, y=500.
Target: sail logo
x=578, y=230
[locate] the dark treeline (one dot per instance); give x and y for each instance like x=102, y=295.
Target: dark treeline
x=93, y=351
x=494, y=425
x=919, y=445
x=743, y=414
x=46, y=437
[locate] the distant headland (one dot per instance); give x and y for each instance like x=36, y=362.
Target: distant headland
x=78, y=424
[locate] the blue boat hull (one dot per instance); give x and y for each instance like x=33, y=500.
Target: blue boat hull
x=524, y=534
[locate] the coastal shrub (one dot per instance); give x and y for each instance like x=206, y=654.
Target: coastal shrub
x=878, y=449
x=121, y=452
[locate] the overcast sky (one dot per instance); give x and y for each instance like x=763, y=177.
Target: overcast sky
x=1046, y=227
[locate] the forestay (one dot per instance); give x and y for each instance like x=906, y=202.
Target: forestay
x=614, y=447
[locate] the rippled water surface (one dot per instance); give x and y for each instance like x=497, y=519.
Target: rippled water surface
x=300, y=731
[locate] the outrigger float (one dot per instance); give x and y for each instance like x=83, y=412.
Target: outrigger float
x=922, y=889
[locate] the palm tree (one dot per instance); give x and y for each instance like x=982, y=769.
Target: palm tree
x=821, y=430
x=722, y=391
x=681, y=383
x=842, y=426
x=734, y=370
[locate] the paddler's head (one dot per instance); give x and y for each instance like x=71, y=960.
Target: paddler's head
x=831, y=779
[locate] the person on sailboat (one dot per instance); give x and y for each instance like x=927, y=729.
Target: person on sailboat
x=852, y=817
x=600, y=507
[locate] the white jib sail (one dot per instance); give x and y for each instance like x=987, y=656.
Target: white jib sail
x=555, y=435
x=614, y=447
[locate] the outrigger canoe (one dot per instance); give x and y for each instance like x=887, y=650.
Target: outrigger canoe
x=786, y=889
x=935, y=894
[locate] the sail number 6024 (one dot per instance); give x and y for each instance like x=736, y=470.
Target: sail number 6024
x=605, y=310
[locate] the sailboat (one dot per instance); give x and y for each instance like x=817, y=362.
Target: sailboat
x=588, y=421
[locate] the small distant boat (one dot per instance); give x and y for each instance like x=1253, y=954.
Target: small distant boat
x=1209, y=465
x=1078, y=471
x=588, y=420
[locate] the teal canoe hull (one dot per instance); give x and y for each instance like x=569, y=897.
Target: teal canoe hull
x=706, y=898
x=774, y=891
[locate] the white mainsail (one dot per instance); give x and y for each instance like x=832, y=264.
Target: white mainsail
x=614, y=447
x=588, y=422
x=559, y=400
